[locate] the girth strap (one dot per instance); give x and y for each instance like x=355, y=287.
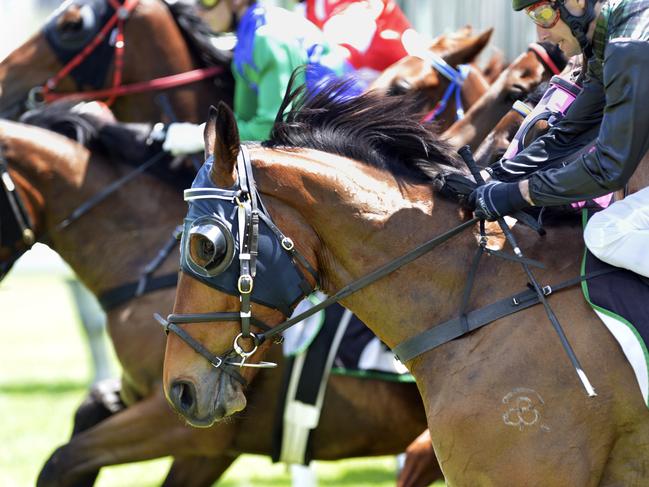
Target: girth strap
x=457, y=327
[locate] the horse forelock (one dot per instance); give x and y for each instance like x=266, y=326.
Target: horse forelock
x=379, y=130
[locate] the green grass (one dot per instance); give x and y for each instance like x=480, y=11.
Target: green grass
x=44, y=373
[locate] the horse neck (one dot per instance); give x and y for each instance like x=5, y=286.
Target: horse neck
x=111, y=244
x=155, y=47
x=364, y=219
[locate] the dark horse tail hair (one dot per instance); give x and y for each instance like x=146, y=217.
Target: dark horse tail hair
x=380, y=130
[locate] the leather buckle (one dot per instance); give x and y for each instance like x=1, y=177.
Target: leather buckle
x=245, y=284
x=287, y=243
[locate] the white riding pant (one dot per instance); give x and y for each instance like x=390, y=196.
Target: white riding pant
x=619, y=234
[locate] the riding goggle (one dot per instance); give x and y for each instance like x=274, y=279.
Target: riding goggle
x=208, y=4
x=544, y=14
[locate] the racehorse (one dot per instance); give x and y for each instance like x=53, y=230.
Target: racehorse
x=428, y=75
x=519, y=79
x=159, y=65
x=352, y=189
x=109, y=247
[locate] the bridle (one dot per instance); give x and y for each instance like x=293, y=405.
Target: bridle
x=17, y=232
x=112, y=33
x=457, y=77
x=244, y=200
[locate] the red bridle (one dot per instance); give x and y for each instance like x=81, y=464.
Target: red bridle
x=540, y=51
x=117, y=20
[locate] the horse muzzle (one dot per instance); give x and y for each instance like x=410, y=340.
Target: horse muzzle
x=214, y=399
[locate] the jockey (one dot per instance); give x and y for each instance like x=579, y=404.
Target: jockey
x=271, y=43
x=614, y=36
x=370, y=31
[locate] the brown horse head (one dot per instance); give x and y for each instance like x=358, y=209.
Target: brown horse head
x=159, y=40
x=30, y=159
x=418, y=76
x=198, y=391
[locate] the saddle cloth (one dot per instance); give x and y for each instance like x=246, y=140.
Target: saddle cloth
x=620, y=300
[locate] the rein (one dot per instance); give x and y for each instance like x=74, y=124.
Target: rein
x=45, y=94
x=247, y=211
x=117, y=296
x=457, y=78
x=405, y=351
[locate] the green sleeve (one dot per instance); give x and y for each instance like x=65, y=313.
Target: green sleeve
x=256, y=112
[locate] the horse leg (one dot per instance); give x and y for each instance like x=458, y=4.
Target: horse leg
x=146, y=430
x=197, y=471
x=102, y=401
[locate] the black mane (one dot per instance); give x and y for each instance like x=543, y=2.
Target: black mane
x=382, y=131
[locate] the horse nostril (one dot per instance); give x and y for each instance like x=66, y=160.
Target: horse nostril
x=183, y=395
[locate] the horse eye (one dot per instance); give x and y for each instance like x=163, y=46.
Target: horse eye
x=208, y=246
x=71, y=20
x=206, y=250
x=399, y=87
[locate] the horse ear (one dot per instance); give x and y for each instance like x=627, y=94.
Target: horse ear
x=468, y=49
x=222, y=142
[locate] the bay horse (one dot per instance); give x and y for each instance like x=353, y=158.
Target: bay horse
x=421, y=75
x=108, y=248
x=518, y=80
x=156, y=65
x=353, y=186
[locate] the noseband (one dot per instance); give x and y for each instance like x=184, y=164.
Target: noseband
x=16, y=227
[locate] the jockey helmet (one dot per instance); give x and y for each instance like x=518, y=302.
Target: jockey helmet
x=546, y=13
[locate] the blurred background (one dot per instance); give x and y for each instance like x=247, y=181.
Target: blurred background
x=46, y=365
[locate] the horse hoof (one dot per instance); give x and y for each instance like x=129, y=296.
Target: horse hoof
x=55, y=472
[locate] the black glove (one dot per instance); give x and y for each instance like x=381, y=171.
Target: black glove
x=495, y=199
x=456, y=187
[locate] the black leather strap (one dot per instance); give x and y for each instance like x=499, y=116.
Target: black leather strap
x=120, y=295
x=457, y=327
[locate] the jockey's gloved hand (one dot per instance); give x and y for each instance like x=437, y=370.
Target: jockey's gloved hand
x=495, y=199
x=179, y=138
x=456, y=186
